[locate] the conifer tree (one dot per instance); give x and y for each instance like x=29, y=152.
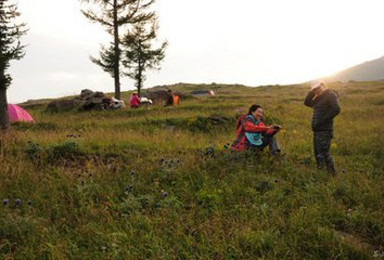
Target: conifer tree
x=10, y=49
x=115, y=15
x=139, y=54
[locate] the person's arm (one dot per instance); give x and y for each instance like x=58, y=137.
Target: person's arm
x=310, y=99
x=250, y=127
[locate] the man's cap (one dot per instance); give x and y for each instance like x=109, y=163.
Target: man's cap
x=316, y=84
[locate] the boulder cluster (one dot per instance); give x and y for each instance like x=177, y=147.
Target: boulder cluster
x=88, y=100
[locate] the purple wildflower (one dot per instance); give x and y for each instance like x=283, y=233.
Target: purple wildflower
x=5, y=202
x=17, y=202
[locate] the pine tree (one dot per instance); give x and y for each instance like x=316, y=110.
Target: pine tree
x=10, y=49
x=139, y=56
x=113, y=15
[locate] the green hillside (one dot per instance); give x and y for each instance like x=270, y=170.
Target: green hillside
x=368, y=71
x=159, y=183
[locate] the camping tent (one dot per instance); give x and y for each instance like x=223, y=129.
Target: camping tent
x=16, y=113
x=203, y=93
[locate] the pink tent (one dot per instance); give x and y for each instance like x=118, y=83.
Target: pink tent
x=16, y=113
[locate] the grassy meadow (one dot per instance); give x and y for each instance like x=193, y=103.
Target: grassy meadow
x=160, y=183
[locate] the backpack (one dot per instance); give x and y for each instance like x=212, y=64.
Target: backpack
x=240, y=120
x=238, y=144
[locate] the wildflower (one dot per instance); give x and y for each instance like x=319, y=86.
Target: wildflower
x=209, y=152
x=5, y=202
x=133, y=172
x=164, y=193
x=17, y=202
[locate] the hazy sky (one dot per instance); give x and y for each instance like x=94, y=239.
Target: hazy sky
x=249, y=42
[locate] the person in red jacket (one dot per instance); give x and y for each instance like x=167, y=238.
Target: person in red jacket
x=134, y=101
x=252, y=133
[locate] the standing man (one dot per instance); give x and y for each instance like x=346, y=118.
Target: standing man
x=325, y=107
x=169, y=101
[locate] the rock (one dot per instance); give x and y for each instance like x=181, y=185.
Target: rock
x=91, y=103
x=158, y=96
x=85, y=93
x=98, y=94
x=218, y=120
x=88, y=100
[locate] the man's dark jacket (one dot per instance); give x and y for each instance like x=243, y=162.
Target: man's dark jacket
x=325, y=108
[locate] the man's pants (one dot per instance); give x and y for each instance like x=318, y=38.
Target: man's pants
x=322, y=146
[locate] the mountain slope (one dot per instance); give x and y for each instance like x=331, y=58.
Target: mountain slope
x=367, y=71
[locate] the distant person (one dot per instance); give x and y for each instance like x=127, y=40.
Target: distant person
x=175, y=99
x=134, y=100
x=106, y=103
x=252, y=133
x=325, y=106
x=170, y=100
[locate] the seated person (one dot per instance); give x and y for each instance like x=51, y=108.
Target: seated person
x=252, y=133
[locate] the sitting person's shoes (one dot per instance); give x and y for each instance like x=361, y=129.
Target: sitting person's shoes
x=278, y=153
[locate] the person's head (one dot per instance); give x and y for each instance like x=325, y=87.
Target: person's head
x=318, y=87
x=134, y=93
x=169, y=90
x=256, y=111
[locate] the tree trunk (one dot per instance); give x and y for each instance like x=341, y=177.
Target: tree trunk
x=116, y=72
x=139, y=78
x=4, y=118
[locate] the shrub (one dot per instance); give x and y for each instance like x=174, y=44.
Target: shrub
x=66, y=149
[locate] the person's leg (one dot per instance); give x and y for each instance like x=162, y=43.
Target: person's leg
x=274, y=146
x=271, y=142
x=316, y=148
x=327, y=153
x=323, y=141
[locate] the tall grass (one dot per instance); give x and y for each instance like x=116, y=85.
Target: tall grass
x=160, y=183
